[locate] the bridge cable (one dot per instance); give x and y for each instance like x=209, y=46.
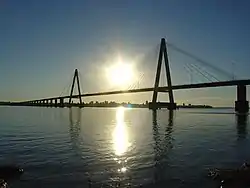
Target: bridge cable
x=151, y=55
x=80, y=80
x=66, y=87
x=133, y=85
x=201, y=73
x=194, y=67
x=140, y=79
x=174, y=47
x=190, y=71
x=197, y=70
x=207, y=73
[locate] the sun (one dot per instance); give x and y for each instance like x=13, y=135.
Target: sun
x=120, y=74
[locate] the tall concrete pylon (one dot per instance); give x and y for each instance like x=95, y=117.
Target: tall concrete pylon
x=75, y=79
x=163, y=53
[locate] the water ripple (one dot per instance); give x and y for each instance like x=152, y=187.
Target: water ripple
x=120, y=147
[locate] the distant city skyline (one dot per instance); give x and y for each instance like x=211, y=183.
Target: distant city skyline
x=42, y=42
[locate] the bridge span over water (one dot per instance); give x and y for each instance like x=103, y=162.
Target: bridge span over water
x=241, y=103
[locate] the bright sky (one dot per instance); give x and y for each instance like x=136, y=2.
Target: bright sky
x=42, y=42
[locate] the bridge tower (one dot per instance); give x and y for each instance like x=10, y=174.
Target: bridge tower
x=241, y=105
x=154, y=104
x=75, y=79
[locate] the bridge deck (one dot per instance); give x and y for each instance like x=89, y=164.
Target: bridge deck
x=160, y=89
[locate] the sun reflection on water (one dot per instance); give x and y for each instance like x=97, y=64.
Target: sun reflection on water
x=120, y=140
x=120, y=135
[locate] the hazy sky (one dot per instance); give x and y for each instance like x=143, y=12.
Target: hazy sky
x=42, y=42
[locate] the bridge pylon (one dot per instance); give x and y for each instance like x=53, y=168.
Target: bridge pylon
x=241, y=103
x=75, y=79
x=171, y=105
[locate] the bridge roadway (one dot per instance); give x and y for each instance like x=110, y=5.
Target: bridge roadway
x=160, y=89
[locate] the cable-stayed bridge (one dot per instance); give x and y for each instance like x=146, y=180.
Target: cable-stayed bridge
x=241, y=102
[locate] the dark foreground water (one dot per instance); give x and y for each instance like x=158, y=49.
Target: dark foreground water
x=120, y=147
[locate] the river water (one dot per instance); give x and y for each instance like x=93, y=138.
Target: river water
x=119, y=147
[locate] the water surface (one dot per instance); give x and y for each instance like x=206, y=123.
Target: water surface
x=109, y=147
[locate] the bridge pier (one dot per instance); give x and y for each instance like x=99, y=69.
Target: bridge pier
x=241, y=105
x=61, y=102
x=55, y=102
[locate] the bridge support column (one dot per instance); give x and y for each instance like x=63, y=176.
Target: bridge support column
x=55, y=102
x=154, y=104
x=61, y=102
x=241, y=105
x=75, y=79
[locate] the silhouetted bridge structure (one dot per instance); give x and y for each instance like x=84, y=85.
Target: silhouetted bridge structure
x=241, y=103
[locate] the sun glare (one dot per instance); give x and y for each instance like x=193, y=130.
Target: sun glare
x=120, y=135
x=120, y=74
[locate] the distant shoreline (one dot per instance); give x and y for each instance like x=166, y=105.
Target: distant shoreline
x=107, y=104
x=194, y=106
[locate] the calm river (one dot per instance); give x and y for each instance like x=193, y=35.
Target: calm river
x=119, y=147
